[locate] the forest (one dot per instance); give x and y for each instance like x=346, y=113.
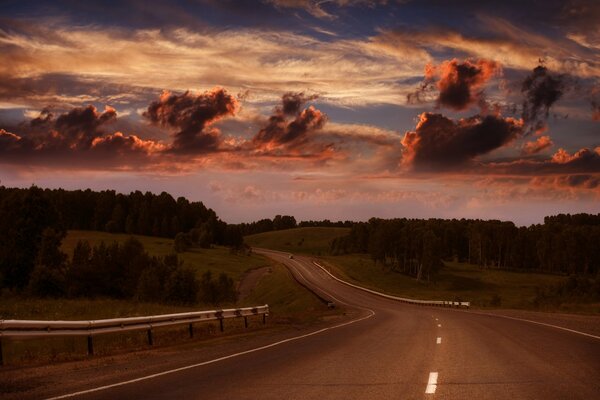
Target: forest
x=33, y=223
x=563, y=244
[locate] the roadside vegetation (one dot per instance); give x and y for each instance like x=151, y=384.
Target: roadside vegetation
x=308, y=240
x=485, y=286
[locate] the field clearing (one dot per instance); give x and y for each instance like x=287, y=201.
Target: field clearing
x=455, y=281
x=311, y=240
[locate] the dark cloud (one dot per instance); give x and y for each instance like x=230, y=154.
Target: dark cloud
x=293, y=102
x=281, y=130
x=74, y=139
x=459, y=84
x=75, y=129
x=541, y=90
x=192, y=115
x=439, y=142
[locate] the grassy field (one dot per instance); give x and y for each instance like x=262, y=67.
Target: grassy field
x=289, y=303
x=313, y=241
x=455, y=281
x=217, y=259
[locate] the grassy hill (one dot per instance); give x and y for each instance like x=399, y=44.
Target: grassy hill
x=455, y=281
x=217, y=259
x=313, y=240
x=289, y=303
x=288, y=298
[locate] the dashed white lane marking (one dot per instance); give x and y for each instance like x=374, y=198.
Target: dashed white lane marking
x=436, y=319
x=432, y=383
x=439, y=340
x=439, y=325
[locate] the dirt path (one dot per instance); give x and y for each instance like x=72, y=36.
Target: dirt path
x=250, y=280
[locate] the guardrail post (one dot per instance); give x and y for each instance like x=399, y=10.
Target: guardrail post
x=1, y=358
x=264, y=319
x=191, y=328
x=245, y=322
x=221, y=323
x=150, y=338
x=90, y=343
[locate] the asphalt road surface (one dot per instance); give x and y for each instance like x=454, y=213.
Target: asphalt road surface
x=390, y=350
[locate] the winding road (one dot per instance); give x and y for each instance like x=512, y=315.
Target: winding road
x=389, y=350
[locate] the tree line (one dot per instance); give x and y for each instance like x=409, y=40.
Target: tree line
x=33, y=223
x=134, y=213
x=122, y=271
x=563, y=244
x=280, y=222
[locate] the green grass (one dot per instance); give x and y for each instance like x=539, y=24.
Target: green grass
x=289, y=303
x=217, y=259
x=314, y=241
x=455, y=281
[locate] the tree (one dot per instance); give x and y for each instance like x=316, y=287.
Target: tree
x=48, y=278
x=24, y=215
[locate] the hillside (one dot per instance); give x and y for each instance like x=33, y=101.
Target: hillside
x=313, y=240
x=455, y=281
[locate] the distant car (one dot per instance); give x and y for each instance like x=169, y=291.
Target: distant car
x=331, y=304
x=291, y=256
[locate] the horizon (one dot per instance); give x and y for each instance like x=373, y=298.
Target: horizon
x=298, y=220
x=341, y=110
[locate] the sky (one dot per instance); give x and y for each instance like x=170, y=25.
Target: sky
x=339, y=109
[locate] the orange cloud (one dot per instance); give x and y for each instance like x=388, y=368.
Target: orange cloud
x=540, y=144
x=460, y=84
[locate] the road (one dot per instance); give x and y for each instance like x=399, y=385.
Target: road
x=390, y=350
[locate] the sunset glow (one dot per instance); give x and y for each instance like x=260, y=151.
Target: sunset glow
x=342, y=110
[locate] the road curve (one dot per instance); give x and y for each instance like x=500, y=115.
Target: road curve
x=389, y=351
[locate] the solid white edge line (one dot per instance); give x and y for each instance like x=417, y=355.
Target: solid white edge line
x=431, y=383
x=470, y=311
x=537, y=323
x=143, y=378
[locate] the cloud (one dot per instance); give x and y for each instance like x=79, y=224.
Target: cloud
x=118, y=143
x=583, y=161
x=314, y=7
x=192, y=114
x=541, y=90
x=536, y=146
x=75, y=129
x=439, y=142
x=75, y=139
x=75, y=64
x=595, y=103
x=280, y=130
x=512, y=45
x=459, y=84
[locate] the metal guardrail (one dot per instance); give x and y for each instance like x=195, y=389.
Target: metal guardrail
x=436, y=303
x=31, y=329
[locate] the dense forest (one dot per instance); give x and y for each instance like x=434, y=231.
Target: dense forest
x=34, y=221
x=135, y=213
x=563, y=244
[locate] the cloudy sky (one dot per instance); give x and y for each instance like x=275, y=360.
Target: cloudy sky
x=339, y=109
